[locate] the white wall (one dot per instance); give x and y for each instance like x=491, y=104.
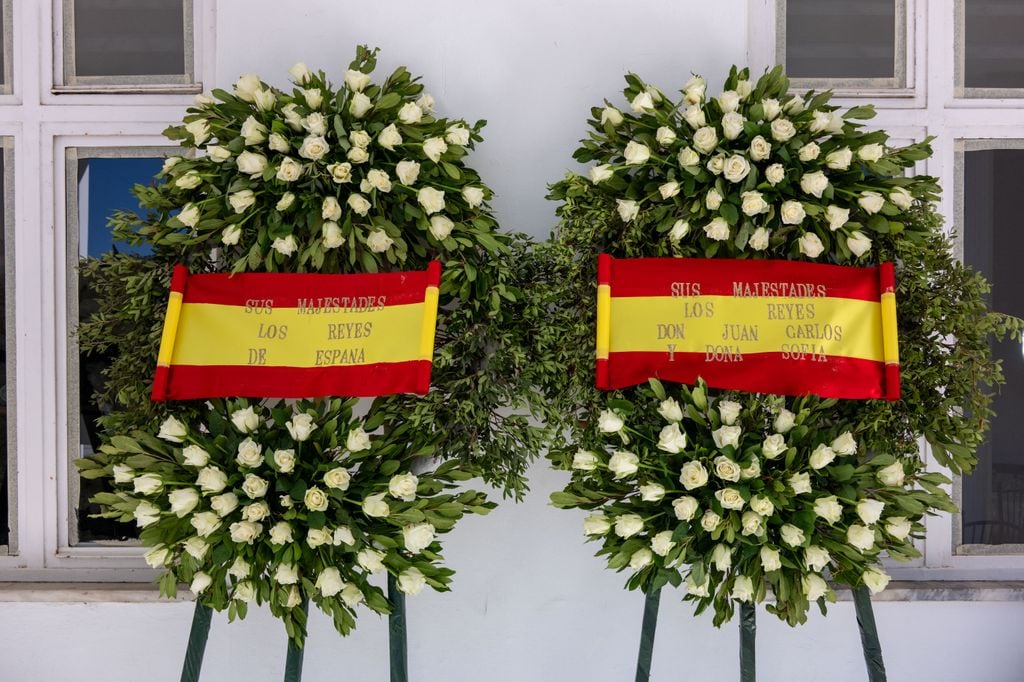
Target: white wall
x=530, y=602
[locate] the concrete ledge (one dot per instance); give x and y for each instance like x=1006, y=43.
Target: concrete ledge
x=85, y=593
x=946, y=590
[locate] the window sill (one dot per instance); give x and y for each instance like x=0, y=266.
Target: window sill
x=946, y=591
x=87, y=593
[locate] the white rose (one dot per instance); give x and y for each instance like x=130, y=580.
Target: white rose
x=211, y=480
x=360, y=138
x=239, y=568
x=147, y=484
x=315, y=499
x=407, y=172
x=389, y=138
x=717, y=229
x=892, y=475
x=281, y=533
x=596, y=524
x=417, y=537
x=125, y=474
x=705, y=139
x=752, y=470
x=759, y=239
x=199, y=130
x=693, y=475
x=651, y=492
x=183, y=501
x=242, y=200
x=293, y=599
x=426, y=102
x=721, y=557
x=670, y=410
x=710, y=521
x=771, y=108
x=359, y=105
x=411, y=581
x=861, y=537
x=810, y=245
x=189, y=215
x=671, y=439
x=744, y=88
x=300, y=426
x=770, y=560
x=246, y=86
x=794, y=105
x=359, y=204
x=836, y=216
x=611, y=115
x=760, y=148
x=628, y=209
x=196, y=547
x=457, y=135
x=286, y=574
x=662, y=543
x=858, y=243
x=871, y=152
x=585, y=460
x=315, y=124
x=729, y=411
x=791, y=535
x=189, y=180
x=379, y=241
x=441, y=227
x=665, y=136
x=728, y=101
x=642, y=102
x=816, y=558
x=403, y=486
x=329, y=582
x=901, y=198
x=278, y=142
x=250, y=453
x=685, y=507
x=254, y=486
x=736, y=168
x=251, y=163
x=694, y=90
x=410, y=113
x=800, y=483
x=828, y=508
x=285, y=202
x=357, y=440
x=291, y=116
x=474, y=196
x=172, y=430
x=434, y=147
x=773, y=446
x=814, y=587
x=680, y=229
x=743, y=589
x=343, y=536
x=701, y=590
x=669, y=189
x=314, y=148
x=371, y=560
x=375, y=506
x=839, y=159
x=356, y=80
x=431, y=199
x=814, y=183
x=205, y=523
x=785, y=421
x=727, y=435
x=726, y=469
x=782, y=130
x=844, y=444
x=337, y=478
x=687, y=157
x=875, y=580
x=826, y=122
x=286, y=246
x=623, y=464
x=641, y=559
x=809, y=152
x=245, y=591
x=146, y=514
x=628, y=525
x=729, y=498
x=870, y=511
x=200, y=582
x=351, y=595
x=231, y=235
x=253, y=132
x=636, y=153
x=762, y=505
x=224, y=504
x=898, y=526
x=318, y=537
x=732, y=125
x=286, y=501
x=775, y=173
x=822, y=456
x=752, y=523
x=300, y=72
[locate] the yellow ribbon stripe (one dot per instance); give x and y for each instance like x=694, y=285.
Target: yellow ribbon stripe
x=889, y=335
x=213, y=334
x=831, y=326
x=604, y=311
x=163, y=358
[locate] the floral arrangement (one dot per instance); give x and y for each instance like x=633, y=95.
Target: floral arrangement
x=295, y=503
x=284, y=505
x=750, y=497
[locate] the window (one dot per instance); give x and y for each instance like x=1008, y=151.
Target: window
x=99, y=182
x=8, y=463
x=5, y=46
x=135, y=45
x=973, y=103
x=843, y=45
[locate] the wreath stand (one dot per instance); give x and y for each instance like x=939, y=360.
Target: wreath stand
x=748, y=629
x=398, y=656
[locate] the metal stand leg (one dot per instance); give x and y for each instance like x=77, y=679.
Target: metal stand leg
x=748, y=632
x=397, y=633
x=650, y=624
x=196, y=643
x=869, y=635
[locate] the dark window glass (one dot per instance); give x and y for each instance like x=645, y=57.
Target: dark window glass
x=129, y=37
x=5, y=483
x=994, y=43
x=841, y=39
x=993, y=496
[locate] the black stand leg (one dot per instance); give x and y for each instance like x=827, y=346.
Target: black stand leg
x=650, y=624
x=196, y=643
x=869, y=634
x=397, y=633
x=748, y=631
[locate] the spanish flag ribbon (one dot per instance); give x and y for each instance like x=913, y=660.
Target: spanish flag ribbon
x=285, y=335
x=765, y=326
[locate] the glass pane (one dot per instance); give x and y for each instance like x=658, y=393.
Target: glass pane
x=994, y=42
x=993, y=496
x=104, y=186
x=840, y=39
x=5, y=503
x=129, y=37
x=3, y=43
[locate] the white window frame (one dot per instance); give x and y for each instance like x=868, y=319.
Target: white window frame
x=43, y=125
x=933, y=106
